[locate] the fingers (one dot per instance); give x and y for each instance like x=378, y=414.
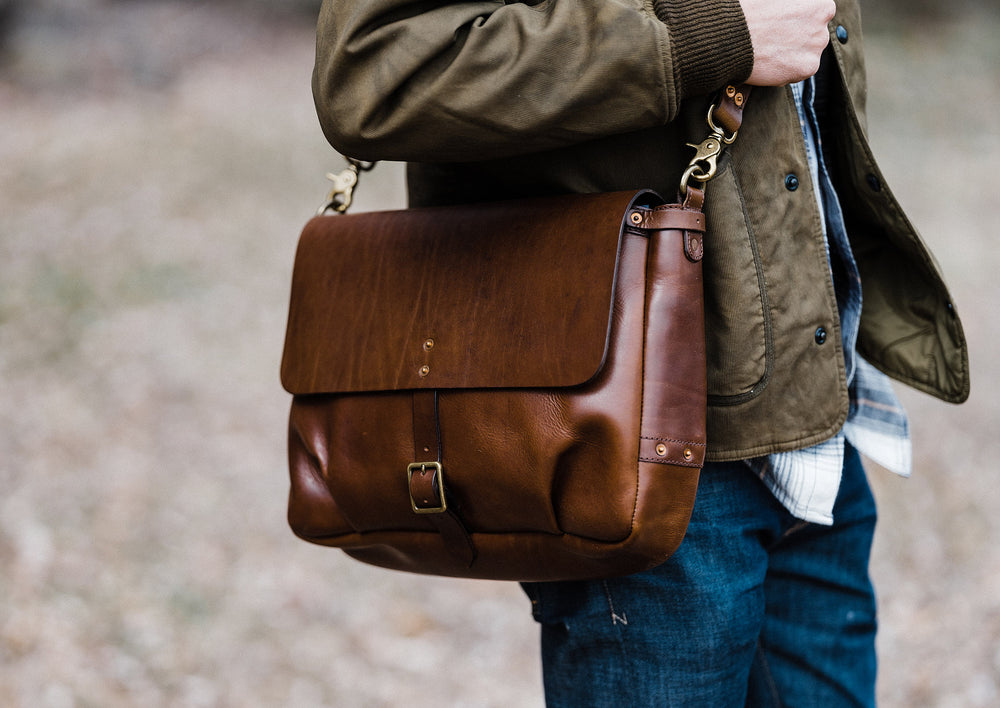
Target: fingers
x=788, y=38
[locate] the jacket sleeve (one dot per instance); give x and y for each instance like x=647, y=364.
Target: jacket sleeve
x=457, y=80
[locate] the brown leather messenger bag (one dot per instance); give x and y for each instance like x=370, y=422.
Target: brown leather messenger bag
x=512, y=390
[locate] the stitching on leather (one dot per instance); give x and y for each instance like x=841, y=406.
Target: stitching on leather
x=642, y=387
x=672, y=460
x=668, y=461
x=686, y=442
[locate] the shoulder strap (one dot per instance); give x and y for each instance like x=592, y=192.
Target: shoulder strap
x=725, y=116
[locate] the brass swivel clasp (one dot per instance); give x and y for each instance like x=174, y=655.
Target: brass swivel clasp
x=342, y=195
x=705, y=162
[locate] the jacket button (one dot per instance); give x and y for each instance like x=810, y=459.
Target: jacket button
x=820, y=335
x=874, y=183
x=841, y=34
x=791, y=183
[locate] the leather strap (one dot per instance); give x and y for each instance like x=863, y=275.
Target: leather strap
x=426, y=482
x=668, y=216
x=688, y=220
x=728, y=113
x=426, y=442
x=694, y=199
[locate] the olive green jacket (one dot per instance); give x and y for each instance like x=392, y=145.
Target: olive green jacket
x=489, y=99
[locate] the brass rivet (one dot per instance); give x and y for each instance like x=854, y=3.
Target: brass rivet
x=636, y=217
x=688, y=454
x=424, y=370
x=661, y=449
x=428, y=345
x=739, y=99
x=730, y=91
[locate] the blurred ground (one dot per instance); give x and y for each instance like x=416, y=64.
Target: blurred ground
x=156, y=162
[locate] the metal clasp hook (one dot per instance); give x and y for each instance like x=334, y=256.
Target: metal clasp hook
x=341, y=196
x=705, y=162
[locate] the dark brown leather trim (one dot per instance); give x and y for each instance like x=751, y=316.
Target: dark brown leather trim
x=667, y=217
x=427, y=486
x=728, y=113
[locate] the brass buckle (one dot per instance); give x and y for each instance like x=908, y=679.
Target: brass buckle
x=438, y=481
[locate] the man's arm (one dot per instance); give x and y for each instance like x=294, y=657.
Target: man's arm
x=443, y=80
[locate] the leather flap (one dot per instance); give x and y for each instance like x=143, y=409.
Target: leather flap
x=480, y=296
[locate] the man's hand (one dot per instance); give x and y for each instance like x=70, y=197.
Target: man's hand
x=788, y=38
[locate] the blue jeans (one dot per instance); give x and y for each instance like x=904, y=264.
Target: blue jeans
x=756, y=608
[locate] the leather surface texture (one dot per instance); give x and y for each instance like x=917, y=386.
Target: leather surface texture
x=513, y=390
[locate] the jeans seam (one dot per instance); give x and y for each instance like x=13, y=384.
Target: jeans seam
x=616, y=618
x=619, y=622
x=765, y=671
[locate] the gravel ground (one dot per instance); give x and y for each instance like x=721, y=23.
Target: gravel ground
x=156, y=163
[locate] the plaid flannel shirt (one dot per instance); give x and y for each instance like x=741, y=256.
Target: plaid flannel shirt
x=806, y=481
